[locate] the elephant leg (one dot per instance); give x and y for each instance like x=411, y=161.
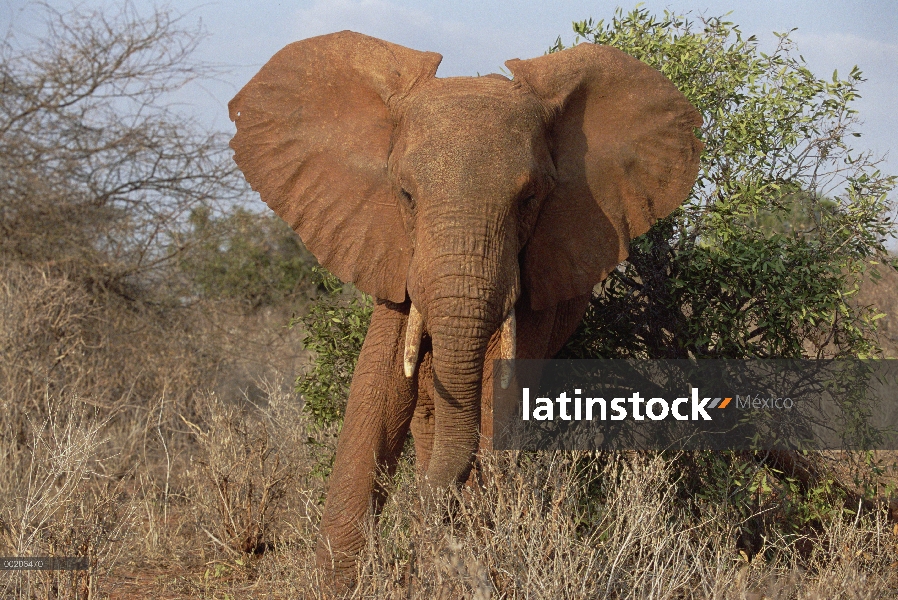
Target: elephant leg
x=380, y=406
x=423, y=423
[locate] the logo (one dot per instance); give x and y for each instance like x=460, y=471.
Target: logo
x=617, y=409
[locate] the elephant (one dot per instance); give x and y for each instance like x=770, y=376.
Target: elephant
x=478, y=212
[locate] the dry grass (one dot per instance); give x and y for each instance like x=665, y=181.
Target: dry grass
x=531, y=532
x=122, y=439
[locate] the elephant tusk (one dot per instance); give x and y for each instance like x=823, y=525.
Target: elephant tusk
x=507, y=349
x=413, y=331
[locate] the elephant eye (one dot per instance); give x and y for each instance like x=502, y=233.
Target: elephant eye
x=528, y=201
x=407, y=199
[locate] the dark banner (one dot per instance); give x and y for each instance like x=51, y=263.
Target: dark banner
x=697, y=404
x=44, y=563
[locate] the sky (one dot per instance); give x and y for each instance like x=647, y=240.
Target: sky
x=478, y=36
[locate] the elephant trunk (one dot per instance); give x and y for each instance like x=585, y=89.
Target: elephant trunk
x=464, y=281
x=459, y=349
x=460, y=327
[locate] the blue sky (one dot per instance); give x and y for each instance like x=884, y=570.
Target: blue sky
x=479, y=35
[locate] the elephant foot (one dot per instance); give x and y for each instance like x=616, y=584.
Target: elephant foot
x=339, y=571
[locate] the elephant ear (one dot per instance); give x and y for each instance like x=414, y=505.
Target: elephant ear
x=314, y=129
x=625, y=153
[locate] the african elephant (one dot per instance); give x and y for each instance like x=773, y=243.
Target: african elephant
x=479, y=212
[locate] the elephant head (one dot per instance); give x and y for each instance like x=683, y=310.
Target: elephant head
x=464, y=195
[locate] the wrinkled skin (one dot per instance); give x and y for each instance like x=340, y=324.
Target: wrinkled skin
x=465, y=198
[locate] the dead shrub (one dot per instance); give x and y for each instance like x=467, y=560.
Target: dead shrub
x=250, y=475
x=56, y=502
x=57, y=337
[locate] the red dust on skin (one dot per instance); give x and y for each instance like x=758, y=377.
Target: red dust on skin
x=474, y=199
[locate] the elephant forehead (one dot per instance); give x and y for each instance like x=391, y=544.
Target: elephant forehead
x=495, y=109
x=470, y=131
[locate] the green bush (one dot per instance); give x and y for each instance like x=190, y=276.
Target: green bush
x=760, y=262
x=335, y=326
x=762, y=259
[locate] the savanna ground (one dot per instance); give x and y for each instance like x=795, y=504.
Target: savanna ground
x=148, y=418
